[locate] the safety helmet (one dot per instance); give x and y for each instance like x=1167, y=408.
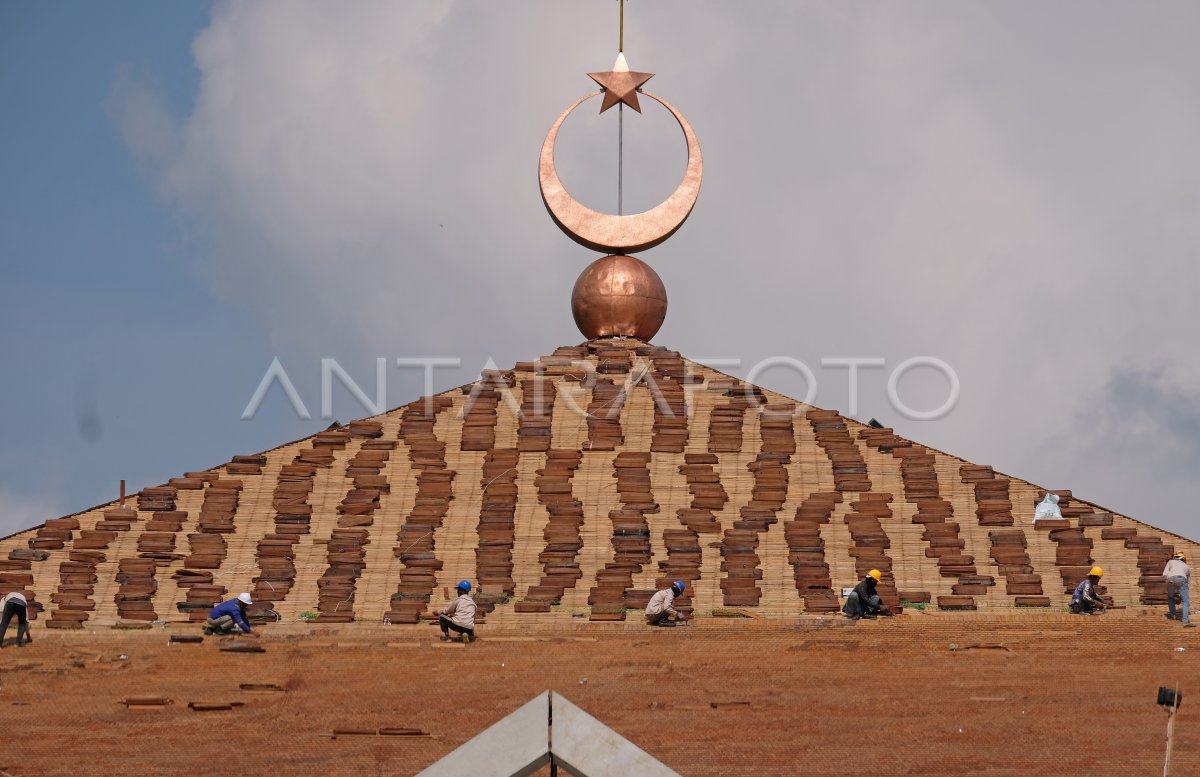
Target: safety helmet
x=1098, y=572
x=678, y=587
x=1180, y=556
x=464, y=585
x=875, y=573
x=244, y=597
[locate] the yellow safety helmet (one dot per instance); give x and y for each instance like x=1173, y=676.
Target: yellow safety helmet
x=875, y=573
x=1097, y=572
x=1180, y=556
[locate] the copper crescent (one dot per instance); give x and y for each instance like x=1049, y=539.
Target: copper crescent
x=620, y=234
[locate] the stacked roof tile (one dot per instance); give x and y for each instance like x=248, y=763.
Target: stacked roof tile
x=574, y=486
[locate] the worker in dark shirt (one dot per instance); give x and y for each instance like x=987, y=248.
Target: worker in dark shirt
x=1085, y=600
x=864, y=601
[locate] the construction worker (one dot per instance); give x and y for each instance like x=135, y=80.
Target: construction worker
x=864, y=601
x=661, y=610
x=14, y=604
x=229, y=617
x=459, y=615
x=1178, y=576
x=1085, y=600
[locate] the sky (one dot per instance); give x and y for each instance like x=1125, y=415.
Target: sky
x=189, y=191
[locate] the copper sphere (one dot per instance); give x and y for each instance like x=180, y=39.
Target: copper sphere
x=619, y=296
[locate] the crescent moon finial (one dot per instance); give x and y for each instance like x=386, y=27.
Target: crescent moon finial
x=620, y=234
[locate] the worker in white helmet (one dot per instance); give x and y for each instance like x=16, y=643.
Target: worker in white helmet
x=229, y=617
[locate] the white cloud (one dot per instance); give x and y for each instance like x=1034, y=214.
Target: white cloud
x=1015, y=193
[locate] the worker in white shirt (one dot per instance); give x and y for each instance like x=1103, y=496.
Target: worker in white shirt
x=1179, y=577
x=661, y=611
x=14, y=603
x=459, y=615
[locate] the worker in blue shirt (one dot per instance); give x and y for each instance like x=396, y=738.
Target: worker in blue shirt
x=228, y=617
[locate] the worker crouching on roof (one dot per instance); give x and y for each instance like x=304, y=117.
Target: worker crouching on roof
x=661, y=610
x=1178, y=576
x=229, y=617
x=864, y=601
x=15, y=604
x=459, y=615
x=1085, y=600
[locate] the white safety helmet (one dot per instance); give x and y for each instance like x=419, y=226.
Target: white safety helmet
x=244, y=597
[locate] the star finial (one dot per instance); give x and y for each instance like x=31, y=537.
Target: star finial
x=620, y=85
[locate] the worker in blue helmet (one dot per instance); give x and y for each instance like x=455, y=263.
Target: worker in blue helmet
x=459, y=615
x=661, y=609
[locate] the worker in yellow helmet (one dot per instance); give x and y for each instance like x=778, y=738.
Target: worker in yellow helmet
x=864, y=600
x=1085, y=600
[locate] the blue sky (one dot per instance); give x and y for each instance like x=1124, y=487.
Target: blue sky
x=117, y=354
x=188, y=191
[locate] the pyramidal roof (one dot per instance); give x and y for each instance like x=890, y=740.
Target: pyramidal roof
x=574, y=486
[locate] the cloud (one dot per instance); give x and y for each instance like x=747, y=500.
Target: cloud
x=19, y=511
x=1016, y=194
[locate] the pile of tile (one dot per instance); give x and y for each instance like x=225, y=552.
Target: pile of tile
x=670, y=428
x=201, y=593
x=276, y=553
x=612, y=360
x=727, y=420
x=134, y=596
x=871, y=543
x=631, y=540
x=54, y=534
x=778, y=434
x=435, y=489
x=565, y=362
x=72, y=599
x=321, y=452
x=537, y=414
x=1153, y=555
x=479, y=409
x=708, y=495
x=16, y=574
x=806, y=551
x=219, y=508
x=740, y=560
x=357, y=508
x=493, y=554
x=992, y=504
x=208, y=551
x=604, y=416
x=1073, y=555
x=157, y=499
x=921, y=488
x=683, y=560
x=246, y=465
x=347, y=556
x=365, y=428
x=559, y=558
x=1011, y=554
x=157, y=540
x=832, y=434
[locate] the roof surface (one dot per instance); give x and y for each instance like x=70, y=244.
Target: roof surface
x=573, y=487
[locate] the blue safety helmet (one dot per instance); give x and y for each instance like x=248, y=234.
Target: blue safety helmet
x=678, y=586
x=464, y=585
